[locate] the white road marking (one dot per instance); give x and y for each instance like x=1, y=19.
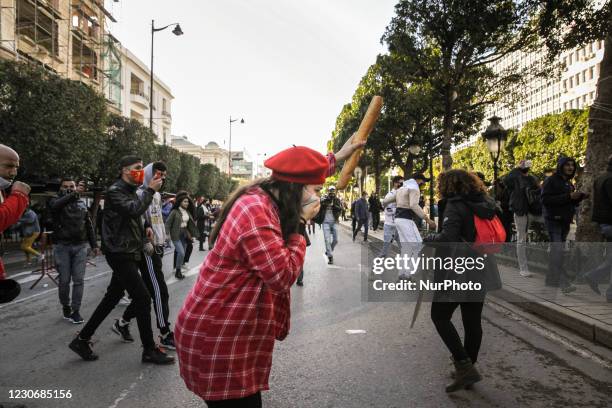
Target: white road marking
x=359, y=331
x=49, y=291
x=191, y=272
x=125, y=392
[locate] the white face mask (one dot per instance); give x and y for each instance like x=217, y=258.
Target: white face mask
x=4, y=183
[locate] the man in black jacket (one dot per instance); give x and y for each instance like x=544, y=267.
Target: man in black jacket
x=602, y=215
x=375, y=208
x=559, y=200
x=123, y=238
x=72, y=229
x=519, y=184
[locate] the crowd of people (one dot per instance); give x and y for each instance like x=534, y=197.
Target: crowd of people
x=239, y=306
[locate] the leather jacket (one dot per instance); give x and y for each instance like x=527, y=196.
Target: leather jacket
x=122, y=224
x=71, y=221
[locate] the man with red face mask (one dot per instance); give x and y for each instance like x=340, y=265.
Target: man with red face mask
x=123, y=239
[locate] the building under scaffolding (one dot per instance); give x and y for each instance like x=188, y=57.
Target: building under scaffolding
x=68, y=37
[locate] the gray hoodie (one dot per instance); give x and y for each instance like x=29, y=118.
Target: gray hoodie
x=153, y=215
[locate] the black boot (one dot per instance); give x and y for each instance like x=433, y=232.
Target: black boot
x=465, y=376
x=178, y=274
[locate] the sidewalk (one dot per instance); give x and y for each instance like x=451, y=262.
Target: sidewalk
x=583, y=311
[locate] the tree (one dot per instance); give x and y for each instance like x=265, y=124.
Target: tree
x=56, y=125
x=172, y=158
x=208, y=181
x=451, y=44
x=567, y=24
x=189, y=174
x=542, y=140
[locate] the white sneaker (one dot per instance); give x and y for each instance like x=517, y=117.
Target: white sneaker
x=184, y=267
x=525, y=274
x=125, y=301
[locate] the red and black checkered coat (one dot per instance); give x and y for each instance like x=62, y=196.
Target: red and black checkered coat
x=226, y=329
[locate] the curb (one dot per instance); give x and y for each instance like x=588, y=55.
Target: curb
x=580, y=324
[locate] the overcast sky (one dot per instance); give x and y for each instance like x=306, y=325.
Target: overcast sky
x=286, y=66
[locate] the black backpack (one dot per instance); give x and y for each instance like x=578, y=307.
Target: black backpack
x=534, y=199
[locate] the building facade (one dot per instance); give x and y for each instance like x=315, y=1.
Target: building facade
x=66, y=36
x=136, y=95
x=242, y=165
x=573, y=88
x=71, y=38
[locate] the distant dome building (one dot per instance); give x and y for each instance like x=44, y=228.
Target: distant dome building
x=211, y=154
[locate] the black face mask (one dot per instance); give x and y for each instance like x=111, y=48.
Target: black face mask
x=525, y=171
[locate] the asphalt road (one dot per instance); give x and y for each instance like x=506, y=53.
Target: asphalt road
x=525, y=362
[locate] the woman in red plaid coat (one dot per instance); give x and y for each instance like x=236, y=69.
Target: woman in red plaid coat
x=226, y=329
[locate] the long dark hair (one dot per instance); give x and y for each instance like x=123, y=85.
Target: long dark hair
x=289, y=204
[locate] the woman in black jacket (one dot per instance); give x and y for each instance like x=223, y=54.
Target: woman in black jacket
x=463, y=196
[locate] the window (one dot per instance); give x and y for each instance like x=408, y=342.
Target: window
x=571, y=57
x=584, y=76
x=571, y=82
x=592, y=73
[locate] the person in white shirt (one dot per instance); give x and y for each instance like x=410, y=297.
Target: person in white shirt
x=389, y=230
x=407, y=212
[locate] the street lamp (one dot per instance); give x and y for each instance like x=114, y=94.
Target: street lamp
x=230, y=144
x=178, y=32
x=495, y=138
x=414, y=148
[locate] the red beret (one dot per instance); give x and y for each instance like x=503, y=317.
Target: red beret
x=299, y=164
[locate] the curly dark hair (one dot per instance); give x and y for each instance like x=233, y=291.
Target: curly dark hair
x=459, y=182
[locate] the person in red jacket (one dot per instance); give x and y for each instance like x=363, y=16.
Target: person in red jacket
x=228, y=324
x=12, y=206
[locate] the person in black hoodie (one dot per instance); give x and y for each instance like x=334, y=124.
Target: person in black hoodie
x=602, y=215
x=559, y=201
x=463, y=196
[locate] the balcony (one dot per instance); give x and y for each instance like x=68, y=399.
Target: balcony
x=139, y=99
x=167, y=117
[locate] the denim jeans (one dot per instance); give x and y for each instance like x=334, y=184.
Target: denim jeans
x=330, y=233
x=605, y=269
x=390, y=233
x=70, y=262
x=179, y=250
x=557, y=232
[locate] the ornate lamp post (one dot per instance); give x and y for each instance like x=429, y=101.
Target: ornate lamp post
x=495, y=138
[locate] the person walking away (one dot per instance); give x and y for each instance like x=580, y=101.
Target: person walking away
x=361, y=213
x=29, y=227
x=408, y=212
x=389, y=229
x=602, y=215
x=375, y=209
x=525, y=204
x=182, y=229
x=465, y=199
x=240, y=304
x=72, y=231
x=202, y=220
x=123, y=238
x=559, y=199
x=354, y=216
x=328, y=217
